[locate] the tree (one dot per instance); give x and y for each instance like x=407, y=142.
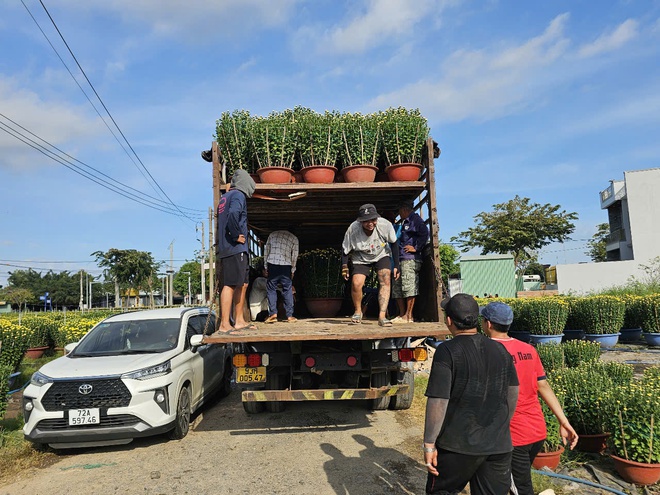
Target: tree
x=598, y=243
x=181, y=279
x=448, y=266
x=17, y=296
x=518, y=227
x=130, y=268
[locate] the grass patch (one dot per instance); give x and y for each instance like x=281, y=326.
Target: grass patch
x=541, y=483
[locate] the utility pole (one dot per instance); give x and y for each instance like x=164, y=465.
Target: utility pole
x=189, y=292
x=203, y=266
x=211, y=256
x=170, y=278
x=82, y=301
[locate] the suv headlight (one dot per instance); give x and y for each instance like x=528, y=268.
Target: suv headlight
x=39, y=379
x=147, y=373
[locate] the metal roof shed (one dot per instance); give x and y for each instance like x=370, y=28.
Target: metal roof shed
x=488, y=274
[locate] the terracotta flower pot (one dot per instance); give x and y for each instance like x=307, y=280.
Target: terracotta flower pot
x=593, y=443
x=255, y=178
x=548, y=459
x=275, y=175
x=324, y=307
x=359, y=173
x=35, y=352
x=319, y=174
x=297, y=178
x=636, y=472
x=404, y=171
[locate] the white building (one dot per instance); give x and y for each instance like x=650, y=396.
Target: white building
x=633, y=210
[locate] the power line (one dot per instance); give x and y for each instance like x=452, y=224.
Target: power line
x=88, y=175
x=152, y=181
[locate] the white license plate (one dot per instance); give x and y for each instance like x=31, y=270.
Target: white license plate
x=78, y=417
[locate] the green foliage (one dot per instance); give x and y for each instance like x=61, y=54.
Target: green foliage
x=17, y=296
x=404, y=134
x=553, y=437
x=180, y=280
x=587, y=390
x=577, y=352
x=361, y=136
x=15, y=341
x=321, y=273
x=40, y=329
x=652, y=373
x=635, y=420
x=650, y=313
x=5, y=371
x=234, y=140
x=598, y=314
x=543, y=315
x=448, y=266
x=517, y=227
x=598, y=243
x=132, y=268
x=318, y=137
x=552, y=357
x=273, y=140
x=634, y=313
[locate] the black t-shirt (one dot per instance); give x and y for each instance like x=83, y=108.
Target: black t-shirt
x=474, y=373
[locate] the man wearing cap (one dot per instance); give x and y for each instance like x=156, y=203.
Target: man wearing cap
x=472, y=394
x=231, y=236
x=414, y=235
x=528, y=429
x=370, y=242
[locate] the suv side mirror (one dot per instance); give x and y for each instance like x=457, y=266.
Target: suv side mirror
x=196, y=340
x=69, y=347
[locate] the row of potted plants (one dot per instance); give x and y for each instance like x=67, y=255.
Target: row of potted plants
x=300, y=138
x=608, y=407
x=600, y=318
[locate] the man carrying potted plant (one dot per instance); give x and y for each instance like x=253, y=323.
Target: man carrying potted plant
x=528, y=429
x=370, y=242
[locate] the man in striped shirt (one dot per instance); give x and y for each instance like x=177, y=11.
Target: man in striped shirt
x=280, y=256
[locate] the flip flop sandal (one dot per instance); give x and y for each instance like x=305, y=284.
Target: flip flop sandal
x=356, y=319
x=384, y=323
x=251, y=326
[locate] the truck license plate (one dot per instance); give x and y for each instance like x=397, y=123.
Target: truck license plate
x=251, y=375
x=78, y=417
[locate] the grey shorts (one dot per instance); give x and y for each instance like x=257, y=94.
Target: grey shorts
x=408, y=283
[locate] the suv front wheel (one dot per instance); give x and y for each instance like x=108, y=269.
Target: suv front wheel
x=183, y=413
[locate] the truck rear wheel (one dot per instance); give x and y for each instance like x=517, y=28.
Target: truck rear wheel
x=400, y=402
x=253, y=407
x=275, y=382
x=380, y=380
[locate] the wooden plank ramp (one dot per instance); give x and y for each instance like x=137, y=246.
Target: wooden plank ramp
x=328, y=329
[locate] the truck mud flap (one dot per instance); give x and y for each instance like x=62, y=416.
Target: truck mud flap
x=322, y=394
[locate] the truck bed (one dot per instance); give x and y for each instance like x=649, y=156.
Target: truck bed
x=329, y=329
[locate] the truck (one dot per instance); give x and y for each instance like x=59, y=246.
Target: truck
x=330, y=358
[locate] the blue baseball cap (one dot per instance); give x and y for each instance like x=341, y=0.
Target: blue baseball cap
x=497, y=312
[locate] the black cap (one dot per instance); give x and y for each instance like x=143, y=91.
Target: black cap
x=462, y=309
x=367, y=212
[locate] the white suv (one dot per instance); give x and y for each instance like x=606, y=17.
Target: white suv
x=134, y=374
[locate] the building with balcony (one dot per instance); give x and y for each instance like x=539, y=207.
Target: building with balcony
x=633, y=211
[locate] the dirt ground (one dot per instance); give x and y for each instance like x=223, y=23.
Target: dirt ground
x=312, y=448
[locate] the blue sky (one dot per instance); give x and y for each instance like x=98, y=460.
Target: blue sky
x=548, y=100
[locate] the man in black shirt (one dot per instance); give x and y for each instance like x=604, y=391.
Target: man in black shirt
x=472, y=393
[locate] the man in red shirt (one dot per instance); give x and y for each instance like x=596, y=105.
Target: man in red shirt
x=527, y=425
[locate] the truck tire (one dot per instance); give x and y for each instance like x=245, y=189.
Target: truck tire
x=225, y=385
x=253, y=407
x=401, y=402
x=275, y=382
x=378, y=380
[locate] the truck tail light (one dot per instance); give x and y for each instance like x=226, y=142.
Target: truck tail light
x=239, y=360
x=405, y=355
x=420, y=354
x=310, y=362
x=254, y=360
x=351, y=361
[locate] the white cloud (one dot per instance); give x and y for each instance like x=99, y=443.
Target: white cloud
x=196, y=20
x=483, y=85
x=608, y=42
x=54, y=121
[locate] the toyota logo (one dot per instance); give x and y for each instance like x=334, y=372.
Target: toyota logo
x=85, y=389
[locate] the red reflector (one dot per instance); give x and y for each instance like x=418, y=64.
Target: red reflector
x=351, y=360
x=254, y=360
x=405, y=355
x=310, y=362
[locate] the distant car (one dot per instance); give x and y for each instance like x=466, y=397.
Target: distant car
x=132, y=375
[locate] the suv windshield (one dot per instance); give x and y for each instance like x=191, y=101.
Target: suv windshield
x=129, y=337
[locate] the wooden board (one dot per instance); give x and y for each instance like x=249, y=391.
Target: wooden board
x=328, y=329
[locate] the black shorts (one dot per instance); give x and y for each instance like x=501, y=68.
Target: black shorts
x=235, y=270
x=385, y=262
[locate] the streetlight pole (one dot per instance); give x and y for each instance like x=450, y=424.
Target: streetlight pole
x=189, y=293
